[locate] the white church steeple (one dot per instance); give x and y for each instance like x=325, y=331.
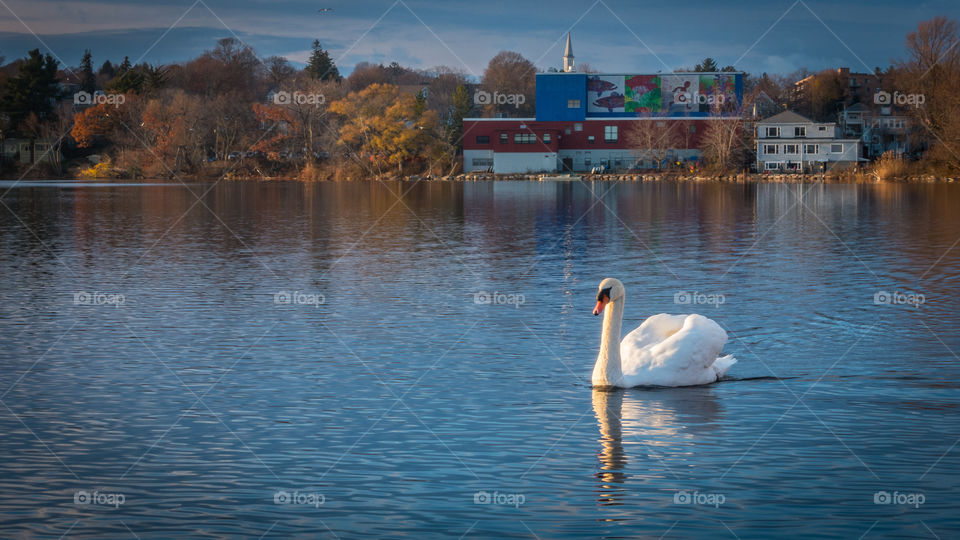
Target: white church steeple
x=568, y=56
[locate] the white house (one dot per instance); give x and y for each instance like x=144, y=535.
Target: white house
x=790, y=142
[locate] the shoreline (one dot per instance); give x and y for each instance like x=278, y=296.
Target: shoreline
x=749, y=178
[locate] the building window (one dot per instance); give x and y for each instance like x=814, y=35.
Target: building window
x=483, y=139
x=590, y=139
x=836, y=148
x=587, y=162
x=772, y=166
x=812, y=149
x=790, y=149
x=609, y=133
x=822, y=128
x=566, y=130
x=573, y=103
x=769, y=149
x=524, y=138
x=693, y=128
x=482, y=162
x=799, y=131
x=773, y=132
x=578, y=127
x=546, y=138
x=504, y=138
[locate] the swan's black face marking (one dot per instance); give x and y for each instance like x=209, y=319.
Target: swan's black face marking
x=604, y=294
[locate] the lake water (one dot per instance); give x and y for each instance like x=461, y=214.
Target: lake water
x=413, y=360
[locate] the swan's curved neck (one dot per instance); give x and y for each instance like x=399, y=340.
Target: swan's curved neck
x=607, y=370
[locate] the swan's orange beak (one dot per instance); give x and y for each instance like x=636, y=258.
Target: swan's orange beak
x=601, y=303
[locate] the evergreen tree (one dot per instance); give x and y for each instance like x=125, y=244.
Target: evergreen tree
x=127, y=80
x=33, y=90
x=421, y=102
x=461, y=108
x=107, y=71
x=708, y=65
x=136, y=79
x=154, y=77
x=321, y=66
x=88, y=80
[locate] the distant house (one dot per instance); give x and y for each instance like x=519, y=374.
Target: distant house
x=763, y=106
x=880, y=128
x=30, y=151
x=860, y=86
x=789, y=142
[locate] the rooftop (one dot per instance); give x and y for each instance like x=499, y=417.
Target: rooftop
x=787, y=117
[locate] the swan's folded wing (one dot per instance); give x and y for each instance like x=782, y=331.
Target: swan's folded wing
x=695, y=346
x=653, y=330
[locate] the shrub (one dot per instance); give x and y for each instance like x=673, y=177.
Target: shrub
x=104, y=169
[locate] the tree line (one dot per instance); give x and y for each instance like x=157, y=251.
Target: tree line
x=231, y=112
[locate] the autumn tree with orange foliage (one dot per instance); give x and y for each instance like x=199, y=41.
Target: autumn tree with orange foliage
x=173, y=127
x=275, y=116
x=386, y=128
x=91, y=123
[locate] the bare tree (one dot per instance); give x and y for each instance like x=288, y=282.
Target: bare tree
x=227, y=117
x=932, y=70
x=513, y=77
x=726, y=139
x=278, y=71
x=722, y=146
x=654, y=138
x=586, y=67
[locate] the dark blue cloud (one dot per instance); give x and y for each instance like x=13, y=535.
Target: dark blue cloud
x=610, y=35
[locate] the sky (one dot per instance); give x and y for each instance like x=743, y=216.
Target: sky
x=772, y=36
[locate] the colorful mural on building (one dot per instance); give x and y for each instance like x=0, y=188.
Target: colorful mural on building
x=667, y=95
x=643, y=94
x=605, y=94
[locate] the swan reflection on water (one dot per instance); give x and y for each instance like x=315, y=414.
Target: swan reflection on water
x=660, y=426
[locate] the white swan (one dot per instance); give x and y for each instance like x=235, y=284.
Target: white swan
x=666, y=350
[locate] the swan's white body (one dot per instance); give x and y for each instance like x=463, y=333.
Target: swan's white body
x=666, y=350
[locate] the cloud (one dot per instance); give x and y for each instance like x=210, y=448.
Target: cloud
x=466, y=35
